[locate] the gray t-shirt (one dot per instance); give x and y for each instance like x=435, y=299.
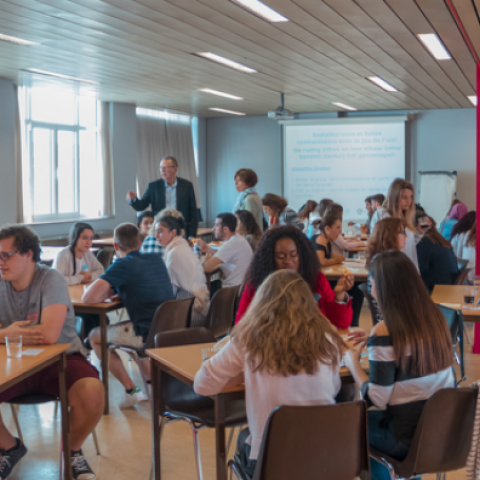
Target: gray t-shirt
x=48, y=287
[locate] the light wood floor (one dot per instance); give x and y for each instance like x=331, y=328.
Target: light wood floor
x=125, y=439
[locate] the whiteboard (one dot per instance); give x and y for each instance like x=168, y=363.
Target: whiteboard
x=345, y=159
x=437, y=190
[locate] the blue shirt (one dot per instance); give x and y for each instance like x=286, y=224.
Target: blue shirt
x=171, y=196
x=142, y=282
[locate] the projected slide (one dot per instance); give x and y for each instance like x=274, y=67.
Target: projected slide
x=342, y=161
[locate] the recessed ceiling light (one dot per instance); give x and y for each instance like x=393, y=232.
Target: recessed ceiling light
x=382, y=84
x=342, y=105
x=220, y=94
x=435, y=46
x=18, y=41
x=262, y=10
x=473, y=99
x=227, y=111
x=227, y=62
x=59, y=75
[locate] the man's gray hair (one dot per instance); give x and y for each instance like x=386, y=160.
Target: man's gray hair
x=172, y=159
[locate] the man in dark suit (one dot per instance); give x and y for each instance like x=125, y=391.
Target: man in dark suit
x=169, y=191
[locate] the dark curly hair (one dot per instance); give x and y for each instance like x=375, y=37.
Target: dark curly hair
x=263, y=263
x=24, y=239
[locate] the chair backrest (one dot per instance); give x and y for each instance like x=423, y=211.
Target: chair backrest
x=105, y=256
x=174, y=394
x=462, y=272
x=452, y=319
x=220, y=315
x=375, y=314
x=326, y=442
x=170, y=315
x=444, y=433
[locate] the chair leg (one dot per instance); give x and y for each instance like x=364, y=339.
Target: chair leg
x=230, y=437
x=469, y=340
x=441, y=476
x=196, y=447
x=162, y=426
x=17, y=423
x=95, y=441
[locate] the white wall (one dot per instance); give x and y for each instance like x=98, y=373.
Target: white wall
x=436, y=140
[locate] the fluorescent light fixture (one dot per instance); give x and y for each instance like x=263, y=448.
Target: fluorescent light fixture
x=435, y=46
x=342, y=105
x=262, y=10
x=231, y=112
x=59, y=75
x=227, y=62
x=18, y=41
x=382, y=84
x=220, y=94
x=473, y=100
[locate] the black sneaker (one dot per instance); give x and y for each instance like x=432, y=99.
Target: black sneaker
x=9, y=458
x=80, y=468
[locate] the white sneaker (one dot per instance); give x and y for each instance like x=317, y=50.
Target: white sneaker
x=132, y=398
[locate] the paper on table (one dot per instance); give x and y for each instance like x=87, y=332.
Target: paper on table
x=453, y=306
x=32, y=351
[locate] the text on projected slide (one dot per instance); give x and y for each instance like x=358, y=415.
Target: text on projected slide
x=343, y=162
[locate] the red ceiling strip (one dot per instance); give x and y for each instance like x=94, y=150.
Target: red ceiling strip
x=453, y=10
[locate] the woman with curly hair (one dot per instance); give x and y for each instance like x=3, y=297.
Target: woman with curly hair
x=287, y=248
x=287, y=353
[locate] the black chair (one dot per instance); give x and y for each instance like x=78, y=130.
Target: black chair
x=454, y=319
x=179, y=402
x=170, y=315
x=462, y=269
x=442, y=439
x=372, y=305
x=105, y=256
x=221, y=314
x=327, y=442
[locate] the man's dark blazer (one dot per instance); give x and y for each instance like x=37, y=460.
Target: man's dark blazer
x=155, y=196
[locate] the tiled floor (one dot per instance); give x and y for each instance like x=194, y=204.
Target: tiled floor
x=125, y=440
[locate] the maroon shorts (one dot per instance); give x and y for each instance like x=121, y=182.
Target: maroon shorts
x=46, y=381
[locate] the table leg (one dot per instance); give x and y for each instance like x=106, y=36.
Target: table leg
x=67, y=466
x=155, y=383
x=104, y=359
x=220, y=437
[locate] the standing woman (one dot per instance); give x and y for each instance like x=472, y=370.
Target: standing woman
x=248, y=198
x=410, y=354
x=248, y=227
x=278, y=211
x=400, y=203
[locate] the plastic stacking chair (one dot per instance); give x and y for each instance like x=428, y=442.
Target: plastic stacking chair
x=37, y=399
x=454, y=320
x=326, y=442
x=442, y=439
x=221, y=314
x=375, y=314
x=179, y=402
x=170, y=315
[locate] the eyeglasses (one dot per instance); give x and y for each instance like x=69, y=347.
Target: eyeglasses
x=5, y=256
x=402, y=232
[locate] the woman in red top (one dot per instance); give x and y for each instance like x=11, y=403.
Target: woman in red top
x=288, y=248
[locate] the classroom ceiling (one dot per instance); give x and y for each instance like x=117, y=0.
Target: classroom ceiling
x=140, y=51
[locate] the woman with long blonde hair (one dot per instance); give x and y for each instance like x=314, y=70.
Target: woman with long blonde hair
x=288, y=352
x=400, y=203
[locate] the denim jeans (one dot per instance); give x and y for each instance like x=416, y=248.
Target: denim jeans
x=382, y=437
x=244, y=449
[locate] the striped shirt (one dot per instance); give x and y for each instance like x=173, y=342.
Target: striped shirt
x=402, y=394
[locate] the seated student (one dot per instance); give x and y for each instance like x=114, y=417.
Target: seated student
x=35, y=303
x=276, y=366
x=456, y=213
x=410, y=355
x=436, y=259
x=144, y=222
x=248, y=227
x=469, y=252
x=183, y=266
x=287, y=248
x=316, y=216
x=377, y=203
x=460, y=233
x=76, y=262
x=142, y=282
x=304, y=213
x=278, y=211
x=233, y=257
x=330, y=230
x=340, y=244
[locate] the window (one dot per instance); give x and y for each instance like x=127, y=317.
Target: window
x=61, y=169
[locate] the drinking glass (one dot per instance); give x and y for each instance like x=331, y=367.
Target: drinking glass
x=208, y=353
x=14, y=346
x=469, y=297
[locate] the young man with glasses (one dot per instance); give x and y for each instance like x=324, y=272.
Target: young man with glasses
x=169, y=192
x=35, y=303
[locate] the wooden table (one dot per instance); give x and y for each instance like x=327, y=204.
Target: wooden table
x=14, y=370
x=100, y=309
x=452, y=296
x=334, y=272
x=183, y=362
